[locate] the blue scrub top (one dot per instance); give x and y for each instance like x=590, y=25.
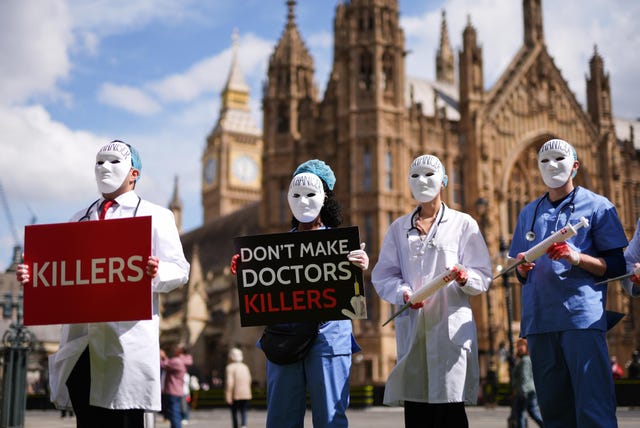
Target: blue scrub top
x=556, y=295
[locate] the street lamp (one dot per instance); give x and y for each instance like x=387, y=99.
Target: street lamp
x=490, y=387
x=482, y=205
x=17, y=340
x=506, y=278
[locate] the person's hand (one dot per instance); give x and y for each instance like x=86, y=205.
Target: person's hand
x=407, y=296
x=234, y=264
x=22, y=274
x=359, y=305
x=163, y=354
x=524, y=268
x=635, y=278
x=562, y=250
x=152, y=266
x=459, y=275
x=359, y=257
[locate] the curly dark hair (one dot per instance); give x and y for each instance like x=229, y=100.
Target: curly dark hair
x=330, y=214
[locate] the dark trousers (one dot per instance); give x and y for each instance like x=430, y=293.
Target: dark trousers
x=239, y=406
x=435, y=415
x=88, y=416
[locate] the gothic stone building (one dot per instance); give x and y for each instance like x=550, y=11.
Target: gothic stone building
x=371, y=122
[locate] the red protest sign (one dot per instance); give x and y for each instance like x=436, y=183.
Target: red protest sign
x=90, y=271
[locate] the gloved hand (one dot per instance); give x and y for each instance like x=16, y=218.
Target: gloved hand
x=152, y=266
x=359, y=257
x=407, y=296
x=636, y=277
x=22, y=274
x=234, y=263
x=459, y=275
x=524, y=268
x=562, y=250
x=359, y=305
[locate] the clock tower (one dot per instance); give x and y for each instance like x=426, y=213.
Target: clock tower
x=231, y=162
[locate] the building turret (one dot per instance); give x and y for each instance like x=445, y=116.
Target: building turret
x=444, y=58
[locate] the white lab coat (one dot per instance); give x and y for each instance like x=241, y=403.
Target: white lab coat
x=437, y=345
x=125, y=356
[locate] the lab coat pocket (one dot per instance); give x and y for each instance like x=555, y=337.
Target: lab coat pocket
x=462, y=330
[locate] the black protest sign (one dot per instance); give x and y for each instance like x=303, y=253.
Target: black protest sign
x=299, y=276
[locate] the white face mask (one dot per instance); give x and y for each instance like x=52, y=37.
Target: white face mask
x=113, y=163
x=306, y=197
x=556, y=167
x=425, y=178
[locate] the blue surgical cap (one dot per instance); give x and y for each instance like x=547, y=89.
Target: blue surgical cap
x=319, y=168
x=135, y=157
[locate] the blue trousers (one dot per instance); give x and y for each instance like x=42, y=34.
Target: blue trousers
x=326, y=378
x=174, y=410
x=528, y=403
x=573, y=379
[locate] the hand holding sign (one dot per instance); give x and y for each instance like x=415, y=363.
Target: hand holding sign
x=234, y=264
x=359, y=257
x=22, y=273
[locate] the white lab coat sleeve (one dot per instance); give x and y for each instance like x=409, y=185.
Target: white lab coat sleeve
x=173, y=268
x=632, y=256
x=386, y=275
x=474, y=256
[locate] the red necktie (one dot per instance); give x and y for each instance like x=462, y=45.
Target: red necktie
x=105, y=206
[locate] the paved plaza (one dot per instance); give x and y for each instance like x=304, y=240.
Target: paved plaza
x=372, y=417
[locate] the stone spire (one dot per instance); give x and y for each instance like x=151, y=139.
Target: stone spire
x=444, y=58
x=533, y=33
x=175, y=206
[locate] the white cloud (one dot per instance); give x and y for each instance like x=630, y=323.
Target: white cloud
x=210, y=74
x=33, y=48
x=128, y=98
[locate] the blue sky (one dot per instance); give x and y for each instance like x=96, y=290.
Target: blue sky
x=76, y=74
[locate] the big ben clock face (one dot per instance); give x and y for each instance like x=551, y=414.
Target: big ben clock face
x=210, y=170
x=245, y=169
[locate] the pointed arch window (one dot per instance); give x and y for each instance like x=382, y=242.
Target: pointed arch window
x=283, y=205
x=366, y=70
x=456, y=180
x=282, y=120
x=387, y=72
x=388, y=173
x=367, y=172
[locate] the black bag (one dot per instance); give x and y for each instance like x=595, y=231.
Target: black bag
x=288, y=343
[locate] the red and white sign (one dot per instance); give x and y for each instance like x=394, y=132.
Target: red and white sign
x=89, y=271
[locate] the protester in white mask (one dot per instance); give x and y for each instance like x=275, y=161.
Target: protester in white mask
x=563, y=307
x=557, y=161
x=437, y=366
x=306, y=197
x=114, y=161
x=324, y=370
x=109, y=372
x=426, y=178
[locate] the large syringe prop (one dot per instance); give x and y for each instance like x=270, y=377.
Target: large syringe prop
x=428, y=289
x=636, y=271
x=541, y=247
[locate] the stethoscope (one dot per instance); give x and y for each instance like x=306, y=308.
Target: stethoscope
x=431, y=242
x=87, y=214
x=531, y=235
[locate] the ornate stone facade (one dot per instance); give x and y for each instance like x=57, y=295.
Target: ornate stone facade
x=369, y=125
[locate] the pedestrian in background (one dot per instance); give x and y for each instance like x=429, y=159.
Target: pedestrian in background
x=523, y=389
x=175, y=368
x=237, y=390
